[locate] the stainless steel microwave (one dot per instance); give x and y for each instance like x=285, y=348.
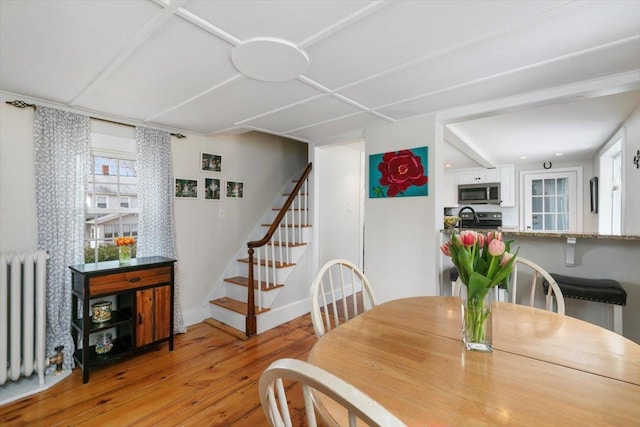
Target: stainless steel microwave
x=477, y=194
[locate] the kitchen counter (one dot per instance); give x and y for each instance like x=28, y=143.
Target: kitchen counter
x=555, y=235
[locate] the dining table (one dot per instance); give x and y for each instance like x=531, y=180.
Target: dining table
x=545, y=369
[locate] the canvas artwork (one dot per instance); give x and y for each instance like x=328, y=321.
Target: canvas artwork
x=212, y=189
x=401, y=173
x=186, y=188
x=234, y=190
x=211, y=162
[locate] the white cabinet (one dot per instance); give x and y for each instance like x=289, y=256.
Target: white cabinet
x=450, y=195
x=479, y=176
x=507, y=186
x=505, y=175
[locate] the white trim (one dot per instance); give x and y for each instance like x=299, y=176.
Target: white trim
x=579, y=195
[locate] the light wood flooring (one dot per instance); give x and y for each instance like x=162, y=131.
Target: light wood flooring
x=210, y=379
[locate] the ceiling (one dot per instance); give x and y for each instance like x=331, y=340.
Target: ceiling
x=507, y=78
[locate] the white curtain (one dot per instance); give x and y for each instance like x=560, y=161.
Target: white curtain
x=155, y=195
x=61, y=153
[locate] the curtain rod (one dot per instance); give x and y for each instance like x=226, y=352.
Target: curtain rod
x=22, y=104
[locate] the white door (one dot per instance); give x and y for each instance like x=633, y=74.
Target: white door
x=551, y=202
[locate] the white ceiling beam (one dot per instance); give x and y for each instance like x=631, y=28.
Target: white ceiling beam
x=467, y=148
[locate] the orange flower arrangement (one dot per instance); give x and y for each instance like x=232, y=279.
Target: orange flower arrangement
x=124, y=241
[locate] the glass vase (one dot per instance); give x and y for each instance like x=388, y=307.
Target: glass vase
x=124, y=254
x=476, y=323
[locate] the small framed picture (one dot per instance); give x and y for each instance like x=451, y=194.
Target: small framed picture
x=210, y=162
x=234, y=190
x=186, y=188
x=212, y=189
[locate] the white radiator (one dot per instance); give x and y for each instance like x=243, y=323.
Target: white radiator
x=23, y=279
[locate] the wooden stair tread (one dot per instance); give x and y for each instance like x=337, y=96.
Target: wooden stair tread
x=278, y=264
x=235, y=305
x=244, y=281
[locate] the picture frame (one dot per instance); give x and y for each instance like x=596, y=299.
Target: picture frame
x=593, y=192
x=210, y=162
x=186, y=188
x=212, y=189
x=234, y=190
x=402, y=173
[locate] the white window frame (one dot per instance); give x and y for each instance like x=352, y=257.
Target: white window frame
x=579, y=197
x=106, y=201
x=99, y=144
x=611, y=219
x=128, y=199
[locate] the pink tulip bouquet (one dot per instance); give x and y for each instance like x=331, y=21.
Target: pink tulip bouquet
x=483, y=261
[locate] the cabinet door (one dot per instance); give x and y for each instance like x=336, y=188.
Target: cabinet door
x=144, y=317
x=507, y=187
x=153, y=308
x=488, y=175
x=467, y=177
x=162, y=295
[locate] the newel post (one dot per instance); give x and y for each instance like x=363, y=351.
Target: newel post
x=251, y=326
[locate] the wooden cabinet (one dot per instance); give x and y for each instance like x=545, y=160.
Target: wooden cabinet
x=507, y=187
x=142, y=308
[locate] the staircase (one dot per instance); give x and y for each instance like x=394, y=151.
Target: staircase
x=269, y=263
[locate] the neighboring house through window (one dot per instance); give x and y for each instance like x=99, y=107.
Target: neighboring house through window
x=112, y=196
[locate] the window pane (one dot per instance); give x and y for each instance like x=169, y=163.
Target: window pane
x=563, y=222
x=536, y=204
x=536, y=224
x=549, y=222
x=105, y=166
x=536, y=187
x=563, y=204
x=563, y=184
x=549, y=186
x=550, y=204
x=127, y=168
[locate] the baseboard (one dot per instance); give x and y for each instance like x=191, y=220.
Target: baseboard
x=278, y=316
x=26, y=386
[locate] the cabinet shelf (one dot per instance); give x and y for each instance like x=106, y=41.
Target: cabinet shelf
x=121, y=347
x=118, y=318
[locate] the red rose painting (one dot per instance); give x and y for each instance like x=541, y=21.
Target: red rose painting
x=401, y=173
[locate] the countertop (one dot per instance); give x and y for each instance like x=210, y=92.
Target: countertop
x=556, y=235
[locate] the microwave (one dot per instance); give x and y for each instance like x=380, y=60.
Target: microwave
x=477, y=194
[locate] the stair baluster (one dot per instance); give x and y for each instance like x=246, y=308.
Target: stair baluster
x=251, y=322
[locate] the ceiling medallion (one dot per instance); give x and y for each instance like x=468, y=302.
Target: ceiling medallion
x=269, y=59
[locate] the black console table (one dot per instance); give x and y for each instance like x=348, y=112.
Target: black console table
x=142, y=314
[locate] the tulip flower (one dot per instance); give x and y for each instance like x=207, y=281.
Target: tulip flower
x=446, y=249
x=496, y=247
x=481, y=240
x=506, y=257
x=468, y=238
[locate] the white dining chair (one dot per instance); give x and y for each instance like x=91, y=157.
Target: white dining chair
x=340, y=291
x=275, y=384
x=538, y=274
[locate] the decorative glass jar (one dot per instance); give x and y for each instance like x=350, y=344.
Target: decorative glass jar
x=124, y=254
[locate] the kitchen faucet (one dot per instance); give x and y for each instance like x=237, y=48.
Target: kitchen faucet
x=476, y=220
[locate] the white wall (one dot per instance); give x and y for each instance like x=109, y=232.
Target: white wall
x=205, y=242
x=402, y=234
x=631, y=175
x=339, y=174
x=18, y=223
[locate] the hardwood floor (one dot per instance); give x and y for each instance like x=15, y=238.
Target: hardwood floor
x=210, y=379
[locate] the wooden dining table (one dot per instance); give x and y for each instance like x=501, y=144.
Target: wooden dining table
x=545, y=368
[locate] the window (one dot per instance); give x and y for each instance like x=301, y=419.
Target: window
x=111, y=196
x=101, y=202
x=610, y=194
x=552, y=201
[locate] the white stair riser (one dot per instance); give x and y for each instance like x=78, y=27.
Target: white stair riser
x=239, y=293
x=280, y=254
x=294, y=234
x=281, y=274
x=228, y=317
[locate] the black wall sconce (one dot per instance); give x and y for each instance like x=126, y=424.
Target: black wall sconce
x=636, y=159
